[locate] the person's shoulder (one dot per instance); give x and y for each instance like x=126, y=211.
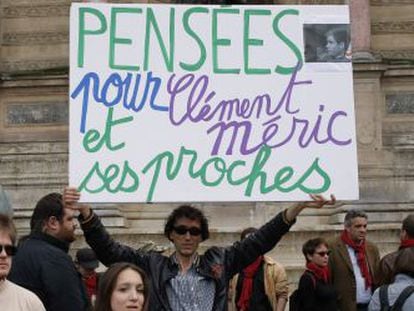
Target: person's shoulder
x=214, y=251
x=307, y=278
x=25, y=294
x=53, y=252
x=32, y=248
x=270, y=261
x=53, y=257
x=407, y=252
x=35, y=245
x=335, y=242
x=274, y=268
x=214, y=254
x=21, y=290
x=389, y=257
x=307, y=275
x=159, y=258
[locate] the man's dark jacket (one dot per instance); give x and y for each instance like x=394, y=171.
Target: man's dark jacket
x=43, y=266
x=217, y=263
x=387, y=266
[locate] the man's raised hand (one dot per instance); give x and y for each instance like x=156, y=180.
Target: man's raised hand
x=319, y=201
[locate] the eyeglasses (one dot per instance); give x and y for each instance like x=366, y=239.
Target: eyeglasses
x=10, y=250
x=181, y=230
x=323, y=254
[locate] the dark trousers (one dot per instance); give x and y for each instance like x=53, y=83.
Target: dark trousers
x=362, y=307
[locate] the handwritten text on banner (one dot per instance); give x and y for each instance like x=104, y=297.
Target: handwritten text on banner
x=208, y=103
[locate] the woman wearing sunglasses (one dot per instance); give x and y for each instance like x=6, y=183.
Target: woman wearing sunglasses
x=12, y=296
x=315, y=293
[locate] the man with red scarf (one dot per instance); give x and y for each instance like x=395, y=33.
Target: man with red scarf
x=353, y=263
x=387, y=263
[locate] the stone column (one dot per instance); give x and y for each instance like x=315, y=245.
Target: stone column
x=360, y=30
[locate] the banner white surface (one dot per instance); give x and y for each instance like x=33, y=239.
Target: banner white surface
x=211, y=103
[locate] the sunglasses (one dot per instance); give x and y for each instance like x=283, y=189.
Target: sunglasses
x=181, y=230
x=323, y=254
x=10, y=250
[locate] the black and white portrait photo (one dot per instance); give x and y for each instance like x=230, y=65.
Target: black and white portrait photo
x=327, y=43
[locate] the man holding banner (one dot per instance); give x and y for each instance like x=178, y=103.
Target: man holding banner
x=180, y=103
x=187, y=280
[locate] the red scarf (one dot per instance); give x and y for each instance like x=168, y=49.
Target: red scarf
x=407, y=243
x=321, y=273
x=247, y=286
x=90, y=284
x=360, y=255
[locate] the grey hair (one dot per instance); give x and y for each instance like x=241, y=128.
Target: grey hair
x=353, y=213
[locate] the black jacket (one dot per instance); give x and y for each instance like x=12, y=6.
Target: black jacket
x=217, y=263
x=259, y=301
x=315, y=295
x=43, y=266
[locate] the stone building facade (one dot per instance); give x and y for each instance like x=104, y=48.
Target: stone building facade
x=34, y=127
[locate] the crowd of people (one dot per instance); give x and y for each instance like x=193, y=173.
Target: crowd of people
x=344, y=273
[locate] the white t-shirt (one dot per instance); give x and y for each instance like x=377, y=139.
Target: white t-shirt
x=16, y=298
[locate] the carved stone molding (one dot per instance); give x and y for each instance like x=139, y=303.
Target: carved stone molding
x=390, y=2
x=21, y=148
x=396, y=54
x=400, y=140
x=35, y=113
x=20, y=11
x=400, y=103
x=30, y=38
x=28, y=65
x=392, y=27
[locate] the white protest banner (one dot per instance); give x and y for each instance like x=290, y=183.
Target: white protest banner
x=211, y=103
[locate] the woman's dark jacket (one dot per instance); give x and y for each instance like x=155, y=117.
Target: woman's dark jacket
x=316, y=295
x=217, y=263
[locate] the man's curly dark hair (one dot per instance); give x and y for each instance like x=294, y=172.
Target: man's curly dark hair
x=190, y=212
